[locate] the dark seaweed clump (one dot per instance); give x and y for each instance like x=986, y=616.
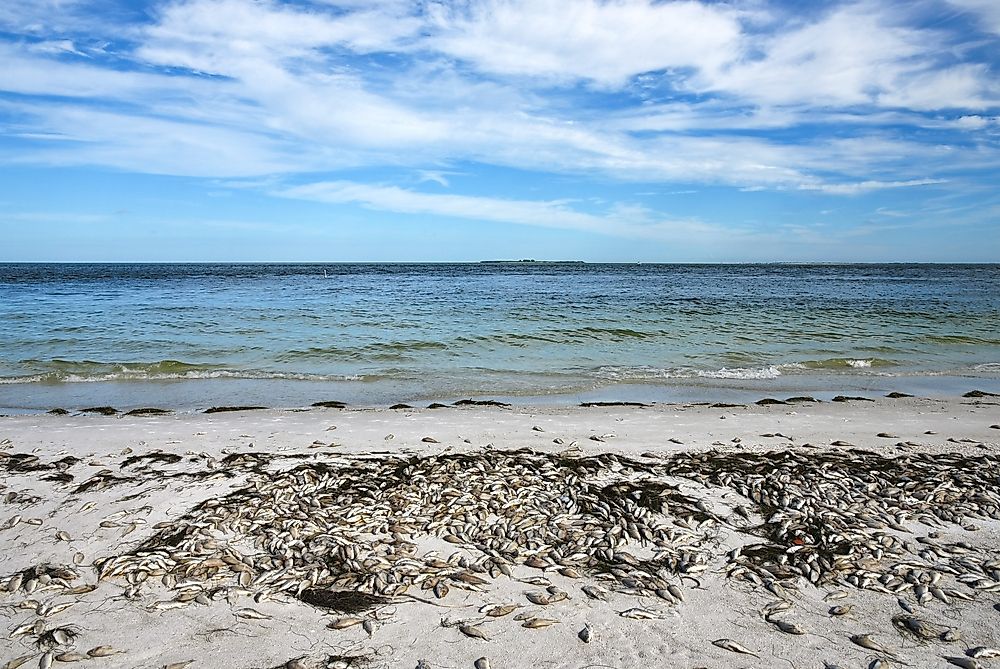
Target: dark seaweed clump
x=342, y=601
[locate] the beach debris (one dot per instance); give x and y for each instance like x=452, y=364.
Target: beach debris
x=538, y=623
x=346, y=534
x=866, y=641
x=103, y=651
x=473, y=631
x=499, y=611
x=787, y=627
x=964, y=662
x=733, y=646
x=584, y=634
x=18, y=661
x=482, y=663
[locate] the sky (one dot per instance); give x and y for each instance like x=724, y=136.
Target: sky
x=462, y=130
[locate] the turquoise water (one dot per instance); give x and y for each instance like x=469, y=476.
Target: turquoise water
x=186, y=335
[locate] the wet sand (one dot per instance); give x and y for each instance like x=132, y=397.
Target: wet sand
x=95, y=499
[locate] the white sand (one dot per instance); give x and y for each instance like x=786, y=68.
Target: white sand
x=410, y=631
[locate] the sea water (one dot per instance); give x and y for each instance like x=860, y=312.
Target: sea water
x=188, y=336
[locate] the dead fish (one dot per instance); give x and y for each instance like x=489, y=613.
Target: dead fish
x=344, y=623
x=865, y=641
x=596, y=592
x=17, y=662
x=369, y=627
x=45, y=661
x=482, y=663
x=787, y=627
x=639, y=613
x=103, y=651
x=499, y=610
x=62, y=636
x=430, y=440
x=177, y=665
x=473, y=631
x=984, y=652
x=840, y=610
x=776, y=607
x=538, y=598
x=733, y=646
x=964, y=662
x=538, y=623
x=251, y=614
x=71, y=657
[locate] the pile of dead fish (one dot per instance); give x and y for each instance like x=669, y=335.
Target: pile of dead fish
x=360, y=527
x=854, y=518
x=402, y=526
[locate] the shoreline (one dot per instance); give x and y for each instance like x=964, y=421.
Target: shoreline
x=192, y=544
x=193, y=396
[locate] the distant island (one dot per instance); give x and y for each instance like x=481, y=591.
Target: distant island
x=532, y=260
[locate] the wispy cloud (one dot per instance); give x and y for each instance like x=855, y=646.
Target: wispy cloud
x=619, y=220
x=866, y=186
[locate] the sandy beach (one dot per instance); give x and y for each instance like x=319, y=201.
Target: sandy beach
x=803, y=534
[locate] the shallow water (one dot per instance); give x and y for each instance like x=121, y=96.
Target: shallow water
x=372, y=333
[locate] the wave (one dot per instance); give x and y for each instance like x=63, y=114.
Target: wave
x=770, y=372
x=765, y=371
x=841, y=363
x=641, y=373
x=87, y=371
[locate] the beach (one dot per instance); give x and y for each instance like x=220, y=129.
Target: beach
x=689, y=535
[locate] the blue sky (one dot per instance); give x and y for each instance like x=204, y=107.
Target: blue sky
x=614, y=130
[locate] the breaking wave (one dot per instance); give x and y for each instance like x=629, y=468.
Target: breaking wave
x=86, y=371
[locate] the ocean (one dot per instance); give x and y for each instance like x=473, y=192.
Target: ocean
x=187, y=336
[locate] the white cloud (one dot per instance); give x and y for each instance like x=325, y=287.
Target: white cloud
x=603, y=41
x=866, y=186
x=856, y=54
x=987, y=12
x=231, y=37
x=621, y=220
x=246, y=88
x=152, y=145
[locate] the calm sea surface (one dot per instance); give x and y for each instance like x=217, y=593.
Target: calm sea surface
x=196, y=335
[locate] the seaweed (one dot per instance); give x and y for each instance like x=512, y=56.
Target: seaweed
x=481, y=403
x=104, y=411
x=342, y=601
x=148, y=411
x=613, y=404
x=152, y=456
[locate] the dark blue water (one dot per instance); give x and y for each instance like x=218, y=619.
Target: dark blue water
x=372, y=333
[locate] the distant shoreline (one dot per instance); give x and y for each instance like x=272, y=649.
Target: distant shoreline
x=531, y=261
